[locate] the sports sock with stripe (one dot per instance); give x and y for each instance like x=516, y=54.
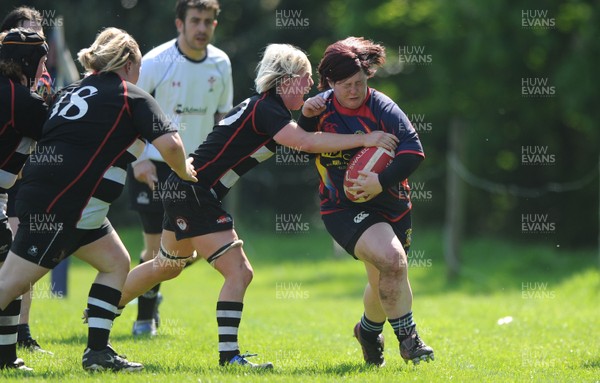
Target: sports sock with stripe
x=229, y=315
x=102, y=308
x=9, y=319
x=370, y=330
x=403, y=326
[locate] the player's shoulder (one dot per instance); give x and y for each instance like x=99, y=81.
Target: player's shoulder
x=28, y=100
x=216, y=54
x=381, y=98
x=380, y=101
x=167, y=48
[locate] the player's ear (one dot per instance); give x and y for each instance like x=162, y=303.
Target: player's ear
x=179, y=25
x=215, y=23
x=331, y=83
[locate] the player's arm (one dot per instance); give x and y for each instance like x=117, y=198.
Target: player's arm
x=371, y=184
x=409, y=156
x=219, y=117
x=171, y=149
x=297, y=138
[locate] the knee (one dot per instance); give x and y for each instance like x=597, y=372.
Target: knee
x=118, y=263
x=393, y=260
x=246, y=274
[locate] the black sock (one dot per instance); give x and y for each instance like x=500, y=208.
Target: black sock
x=229, y=315
x=370, y=330
x=147, y=303
x=9, y=319
x=23, y=332
x=403, y=326
x=102, y=308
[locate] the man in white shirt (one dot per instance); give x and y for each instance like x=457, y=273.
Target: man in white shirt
x=191, y=80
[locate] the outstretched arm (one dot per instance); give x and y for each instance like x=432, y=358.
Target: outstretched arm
x=297, y=138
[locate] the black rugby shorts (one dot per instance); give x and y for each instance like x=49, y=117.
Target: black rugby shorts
x=191, y=211
x=347, y=225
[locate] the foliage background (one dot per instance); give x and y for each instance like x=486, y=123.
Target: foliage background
x=479, y=53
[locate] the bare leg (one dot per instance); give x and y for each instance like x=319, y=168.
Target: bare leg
x=380, y=247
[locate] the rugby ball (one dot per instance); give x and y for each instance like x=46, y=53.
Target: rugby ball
x=372, y=159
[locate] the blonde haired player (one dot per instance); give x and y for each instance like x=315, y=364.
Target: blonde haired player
x=95, y=127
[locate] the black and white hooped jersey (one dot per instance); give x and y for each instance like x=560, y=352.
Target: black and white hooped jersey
x=242, y=140
x=95, y=128
x=22, y=115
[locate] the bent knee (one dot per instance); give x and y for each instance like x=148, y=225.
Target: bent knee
x=393, y=260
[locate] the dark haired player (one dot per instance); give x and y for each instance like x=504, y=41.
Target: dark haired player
x=22, y=115
x=378, y=231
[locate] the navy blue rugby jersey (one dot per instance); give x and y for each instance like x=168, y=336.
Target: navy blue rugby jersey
x=95, y=128
x=378, y=112
x=242, y=140
x=22, y=115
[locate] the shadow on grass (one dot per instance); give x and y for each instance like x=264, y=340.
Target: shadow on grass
x=488, y=265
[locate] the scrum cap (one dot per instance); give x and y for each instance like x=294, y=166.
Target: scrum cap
x=25, y=48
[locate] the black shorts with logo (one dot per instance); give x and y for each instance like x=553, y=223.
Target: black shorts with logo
x=48, y=243
x=191, y=211
x=347, y=225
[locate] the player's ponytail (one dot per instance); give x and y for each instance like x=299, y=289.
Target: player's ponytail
x=110, y=51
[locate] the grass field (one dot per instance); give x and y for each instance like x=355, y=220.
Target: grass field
x=303, y=303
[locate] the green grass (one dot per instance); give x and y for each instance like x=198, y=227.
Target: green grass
x=303, y=302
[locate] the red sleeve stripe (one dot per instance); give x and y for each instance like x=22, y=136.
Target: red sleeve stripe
x=233, y=136
x=412, y=152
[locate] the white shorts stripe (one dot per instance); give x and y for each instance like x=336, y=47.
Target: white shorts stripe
x=102, y=304
x=100, y=323
x=229, y=314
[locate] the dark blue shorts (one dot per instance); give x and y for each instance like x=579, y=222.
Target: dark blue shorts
x=347, y=225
